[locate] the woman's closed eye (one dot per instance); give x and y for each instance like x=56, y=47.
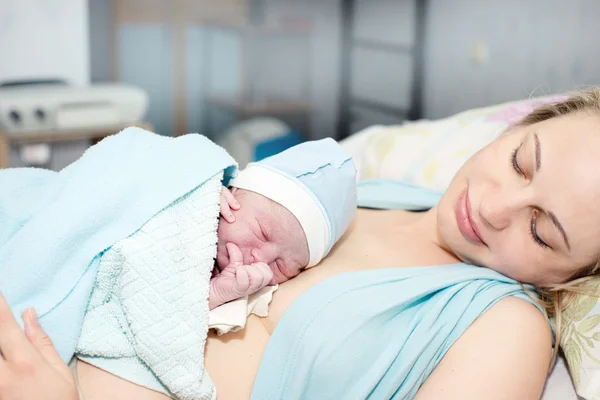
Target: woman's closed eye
x=534, y=234
x=514, y=161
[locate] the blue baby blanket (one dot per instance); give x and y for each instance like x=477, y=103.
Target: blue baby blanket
x=54, y=226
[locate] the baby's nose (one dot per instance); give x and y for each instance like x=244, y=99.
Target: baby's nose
x=263, y=254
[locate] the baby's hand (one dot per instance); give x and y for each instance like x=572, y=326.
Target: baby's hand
x=237, y=280
x=227, y=203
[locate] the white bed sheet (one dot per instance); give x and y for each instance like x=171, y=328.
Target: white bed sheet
x=559, y=385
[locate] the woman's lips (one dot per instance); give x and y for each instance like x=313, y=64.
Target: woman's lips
x=464, y=221
x=474, y=224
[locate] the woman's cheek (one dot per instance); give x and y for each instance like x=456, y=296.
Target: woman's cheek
x=514, y=261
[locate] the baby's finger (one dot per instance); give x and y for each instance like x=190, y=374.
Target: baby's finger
x=233, y=203
x=226, y=211
x=242, y=281
x=260, y=276
x=236, y=258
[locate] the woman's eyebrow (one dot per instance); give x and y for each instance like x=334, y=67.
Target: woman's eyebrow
x=551, y=215
x=538, y=152
x=560, y=228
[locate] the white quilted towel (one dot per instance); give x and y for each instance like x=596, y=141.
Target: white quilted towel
x=147, y=320
x=232, y=316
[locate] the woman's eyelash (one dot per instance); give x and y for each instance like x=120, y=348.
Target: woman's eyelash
x=534, y=234
x=514, y=163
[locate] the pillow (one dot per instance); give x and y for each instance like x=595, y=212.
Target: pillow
x=580, y=341
x=429, y=153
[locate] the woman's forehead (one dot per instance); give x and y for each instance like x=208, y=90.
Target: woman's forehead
x=569, y=155
x=568, y=181
x=582, y=126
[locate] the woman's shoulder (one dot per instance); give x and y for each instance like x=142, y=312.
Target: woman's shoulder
x=504, y=354
x=516, y=316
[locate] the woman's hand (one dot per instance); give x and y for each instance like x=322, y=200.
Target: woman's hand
x=30, y=367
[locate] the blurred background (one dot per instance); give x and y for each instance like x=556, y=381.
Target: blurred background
x=258, y=76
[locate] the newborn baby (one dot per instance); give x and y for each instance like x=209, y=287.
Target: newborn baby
x=274, y=246
x=282, y=215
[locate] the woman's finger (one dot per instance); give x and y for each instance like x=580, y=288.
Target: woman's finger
x=13, y=342
x=40, y=339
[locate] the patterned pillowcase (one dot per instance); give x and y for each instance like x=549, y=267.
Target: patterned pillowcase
x=580, y=341
x=429, y=153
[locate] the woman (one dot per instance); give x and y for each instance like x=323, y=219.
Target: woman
x=524, y=206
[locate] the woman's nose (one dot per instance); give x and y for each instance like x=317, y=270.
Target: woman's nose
x=499, y=206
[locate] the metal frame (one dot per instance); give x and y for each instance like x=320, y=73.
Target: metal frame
x=349, y=43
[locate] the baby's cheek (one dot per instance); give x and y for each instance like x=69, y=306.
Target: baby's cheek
x=236, y=236
x=278, y=276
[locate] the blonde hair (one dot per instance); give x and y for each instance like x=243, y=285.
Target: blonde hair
x=555, y=298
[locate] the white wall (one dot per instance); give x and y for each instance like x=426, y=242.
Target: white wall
x=523, y=47
x=102, y=58
x=324, y=58
x=481, y=52
x=44, y=39
x=325, y=68
x=477, y=52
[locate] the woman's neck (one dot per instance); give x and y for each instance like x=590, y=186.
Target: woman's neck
x=426, y=226
x=402, y=224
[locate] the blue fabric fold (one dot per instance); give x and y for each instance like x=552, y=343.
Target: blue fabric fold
x=390, y=194
x=55, y=225
x=377, y=334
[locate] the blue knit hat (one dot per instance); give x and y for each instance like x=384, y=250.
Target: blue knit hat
x=316, y=181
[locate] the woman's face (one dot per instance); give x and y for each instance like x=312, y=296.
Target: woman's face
x=528, y=204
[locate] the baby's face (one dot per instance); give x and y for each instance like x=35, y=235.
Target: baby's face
x=265, y=231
